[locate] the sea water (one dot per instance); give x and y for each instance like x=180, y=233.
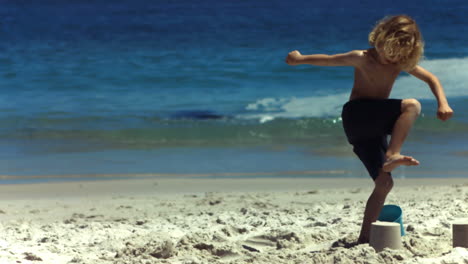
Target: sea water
x=183, y=87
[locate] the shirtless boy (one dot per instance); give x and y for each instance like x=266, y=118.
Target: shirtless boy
x=369, y=116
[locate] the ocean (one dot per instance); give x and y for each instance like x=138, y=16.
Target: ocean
x=94, y=89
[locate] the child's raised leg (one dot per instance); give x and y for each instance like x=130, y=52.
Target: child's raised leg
x=383, y=185
x=410, y=110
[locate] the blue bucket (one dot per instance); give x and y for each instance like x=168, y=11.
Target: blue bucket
x=392, y=213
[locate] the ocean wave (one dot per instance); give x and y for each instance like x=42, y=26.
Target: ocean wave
x=451, y=73
x=317, y=106
x=179, y=132
x=312, y=131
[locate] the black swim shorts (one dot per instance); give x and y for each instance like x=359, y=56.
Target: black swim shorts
x=367, y=123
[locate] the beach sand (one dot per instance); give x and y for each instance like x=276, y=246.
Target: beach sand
x=192, y=221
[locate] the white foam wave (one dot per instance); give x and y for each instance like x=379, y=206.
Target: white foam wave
x=316, y=106
x=451, y=72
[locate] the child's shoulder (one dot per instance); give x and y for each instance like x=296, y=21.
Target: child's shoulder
x=356, y=57
x=358, y=53
x=365, y=57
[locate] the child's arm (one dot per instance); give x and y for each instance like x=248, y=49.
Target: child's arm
x=444, y=111
x=344, y=59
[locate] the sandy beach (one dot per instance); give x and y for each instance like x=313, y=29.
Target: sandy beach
x=222, y=221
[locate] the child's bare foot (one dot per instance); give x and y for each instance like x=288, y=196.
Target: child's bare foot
x=398, y=160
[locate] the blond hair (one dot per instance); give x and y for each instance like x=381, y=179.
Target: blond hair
x=400, y=40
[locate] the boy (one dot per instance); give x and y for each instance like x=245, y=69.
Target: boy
x=369, y=116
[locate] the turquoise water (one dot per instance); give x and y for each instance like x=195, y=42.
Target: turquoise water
x=180, y=88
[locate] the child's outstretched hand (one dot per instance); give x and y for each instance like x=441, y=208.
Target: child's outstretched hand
x=444, y=112
x=293, y=57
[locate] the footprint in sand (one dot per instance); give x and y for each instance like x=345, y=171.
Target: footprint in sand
x=225, y=252
x=259, y=243
x=345, y=242
x=124, y=207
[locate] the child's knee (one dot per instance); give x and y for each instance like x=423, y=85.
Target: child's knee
x=412, y=105
x=384, y=183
